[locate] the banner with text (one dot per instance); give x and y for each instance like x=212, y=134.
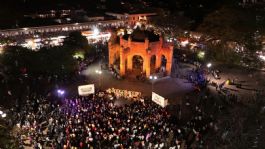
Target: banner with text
x=85, y=90
x=159, y=100
x=124, y=93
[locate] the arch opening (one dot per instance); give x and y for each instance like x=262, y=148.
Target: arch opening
x=137, y=62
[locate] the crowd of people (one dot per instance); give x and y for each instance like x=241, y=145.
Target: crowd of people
x=96, y=122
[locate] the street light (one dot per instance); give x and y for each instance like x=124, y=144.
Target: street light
x=153, y=78
x=60, y=92
x=209, y=65
x=3, y=115
x=99, y=72
x=201, y=54
x=95, y=31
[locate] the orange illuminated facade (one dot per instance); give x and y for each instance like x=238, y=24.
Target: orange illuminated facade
x=143, y=45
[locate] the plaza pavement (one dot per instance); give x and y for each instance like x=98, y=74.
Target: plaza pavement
x=174, y=88
x=170, y=88
x=251, y=80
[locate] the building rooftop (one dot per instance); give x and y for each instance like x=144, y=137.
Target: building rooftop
x=139, y=35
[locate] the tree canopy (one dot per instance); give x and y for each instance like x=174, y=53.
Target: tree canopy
x=53, y=60
x=229, y=24
x=77, y=40
x=47, y=60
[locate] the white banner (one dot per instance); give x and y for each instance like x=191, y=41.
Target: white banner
x=124, y=93
x=159, y=100
x=85, y=90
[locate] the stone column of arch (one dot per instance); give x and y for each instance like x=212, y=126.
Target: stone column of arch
x=147, y=65
x=122, y=62
x=158, y=61
x=144, y=64
x=169, y=60
x=129, y=62
x=168, y=66
x=114, y=53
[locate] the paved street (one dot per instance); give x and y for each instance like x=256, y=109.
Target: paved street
x=175, y=88
x=171, y=88
x=250, y=80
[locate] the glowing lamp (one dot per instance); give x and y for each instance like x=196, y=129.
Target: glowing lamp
x=209, y=65
x=95, y=31
x=3, y=115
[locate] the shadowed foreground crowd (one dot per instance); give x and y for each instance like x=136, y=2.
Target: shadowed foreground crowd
x=95, y=122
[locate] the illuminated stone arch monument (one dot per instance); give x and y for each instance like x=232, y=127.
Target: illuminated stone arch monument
x=142, y=43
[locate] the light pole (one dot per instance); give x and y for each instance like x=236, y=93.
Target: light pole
x=2, y=114
x=209, y=65
x=153, y=78
x=95, y=31
x=99, y=73
x=60, y=92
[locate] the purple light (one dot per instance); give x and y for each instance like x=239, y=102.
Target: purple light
x=60, y=92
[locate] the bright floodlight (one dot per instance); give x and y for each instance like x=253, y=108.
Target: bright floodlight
x=153, y=77
x=95, y=31
x=60, y=92
x=262, y=57
x=3, y=115
x=1, y=112
x=201, y=54
x=98, y=71
x=209, y=65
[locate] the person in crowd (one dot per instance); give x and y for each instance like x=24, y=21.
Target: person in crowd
x=95, y=122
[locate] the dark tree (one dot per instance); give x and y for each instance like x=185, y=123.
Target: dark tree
x=76, y=39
